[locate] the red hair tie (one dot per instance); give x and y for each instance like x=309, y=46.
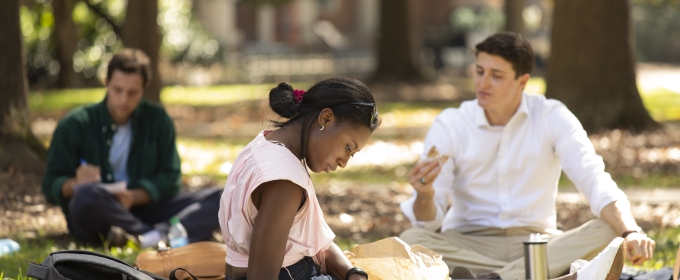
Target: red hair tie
x=298, y=94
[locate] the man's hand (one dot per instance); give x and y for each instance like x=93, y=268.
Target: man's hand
x=639, y=248
x=422, y=175
x=86, y=174
x=125, y=198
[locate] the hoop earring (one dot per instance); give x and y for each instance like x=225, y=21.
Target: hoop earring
x=322, y=127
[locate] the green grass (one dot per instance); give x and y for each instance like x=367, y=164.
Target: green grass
x=377, y=175
x=14, y=266
x=667, y=242
x=648, y=181
x=52, y=100
x=211, y=157
x=206, y=157
x=653, y=180
x=662, y=104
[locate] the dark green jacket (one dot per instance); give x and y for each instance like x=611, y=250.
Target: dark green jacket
x=86, y=133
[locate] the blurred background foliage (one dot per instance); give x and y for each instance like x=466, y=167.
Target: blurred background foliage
x=184, y=39
x=656, y=24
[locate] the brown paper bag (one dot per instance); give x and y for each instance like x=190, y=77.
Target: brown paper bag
x=391, y=258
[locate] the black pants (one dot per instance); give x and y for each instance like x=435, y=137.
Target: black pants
x=304, y=269
x=93, y=211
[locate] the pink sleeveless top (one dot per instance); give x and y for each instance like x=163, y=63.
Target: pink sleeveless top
x=262, y=161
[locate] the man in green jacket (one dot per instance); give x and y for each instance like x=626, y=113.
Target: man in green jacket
x=126, y=140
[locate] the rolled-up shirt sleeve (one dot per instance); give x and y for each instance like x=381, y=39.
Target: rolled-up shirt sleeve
x=579, y=161
x=440, y=135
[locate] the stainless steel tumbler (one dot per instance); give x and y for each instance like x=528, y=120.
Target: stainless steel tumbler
x=536, y=257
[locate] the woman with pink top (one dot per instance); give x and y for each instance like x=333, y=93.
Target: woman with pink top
x=270, y=217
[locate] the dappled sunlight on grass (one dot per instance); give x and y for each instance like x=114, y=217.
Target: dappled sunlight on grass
x=386, y=154
x=409, y=118
x=64, y=99
x=535, y=85
x=215, y=157
x=213, y=95
x=218, y=95
x=196, y=96
x=207, y=156
x=662, y=104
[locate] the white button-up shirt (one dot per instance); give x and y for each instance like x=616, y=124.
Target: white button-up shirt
x=506, y=176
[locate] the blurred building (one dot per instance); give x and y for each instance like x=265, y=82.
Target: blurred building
x=326, y=37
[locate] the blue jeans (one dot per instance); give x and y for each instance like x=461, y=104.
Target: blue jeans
x=305, y=269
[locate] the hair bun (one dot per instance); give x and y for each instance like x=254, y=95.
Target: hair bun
x=282, y=100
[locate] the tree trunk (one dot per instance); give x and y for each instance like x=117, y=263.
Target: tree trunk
x=397, y=60
x=19, y=148
x=514, y=20
x=141, y=31
x=591, y=67
x=66, y=42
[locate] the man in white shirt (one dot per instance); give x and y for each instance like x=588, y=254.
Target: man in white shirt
x=507, y=150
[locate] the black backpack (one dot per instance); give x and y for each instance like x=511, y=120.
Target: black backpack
x=79, y=264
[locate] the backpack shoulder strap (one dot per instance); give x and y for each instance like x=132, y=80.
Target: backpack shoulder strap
x=173, y=277
x=98, y=259
x=37, y=271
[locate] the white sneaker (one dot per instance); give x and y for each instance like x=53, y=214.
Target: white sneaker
x=606, y=266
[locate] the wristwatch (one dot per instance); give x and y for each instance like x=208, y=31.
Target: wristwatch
x=628, y=232
x=355, y=270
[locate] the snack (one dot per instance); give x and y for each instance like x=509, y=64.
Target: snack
x=433, y=153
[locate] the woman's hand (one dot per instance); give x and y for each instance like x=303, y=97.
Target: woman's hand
x=357, y=277
x=338, y=265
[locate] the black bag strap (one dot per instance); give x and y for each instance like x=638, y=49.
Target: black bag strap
x=37, y=271
x=173, y=277
x=84, y=252
x=97, y=259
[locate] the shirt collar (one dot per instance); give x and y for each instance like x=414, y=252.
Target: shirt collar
x=480, y=117
x=106, y=116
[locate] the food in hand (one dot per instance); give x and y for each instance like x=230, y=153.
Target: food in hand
x=433, y=153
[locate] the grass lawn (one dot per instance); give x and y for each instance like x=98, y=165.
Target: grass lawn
x=662, y=104
x=36, y=249
x=212, y=158
x=198, y=96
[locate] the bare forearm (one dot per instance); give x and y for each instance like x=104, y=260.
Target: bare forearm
x=425, y=208
x=337, y=263
x=618, y=215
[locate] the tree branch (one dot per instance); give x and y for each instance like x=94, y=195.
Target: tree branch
x=99, y=10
